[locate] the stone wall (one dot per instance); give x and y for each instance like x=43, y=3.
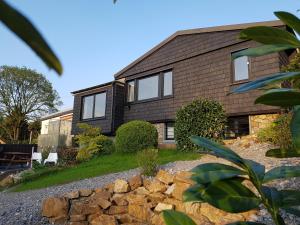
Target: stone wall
x=256, y=122
x=138, y=201
x=160, y=127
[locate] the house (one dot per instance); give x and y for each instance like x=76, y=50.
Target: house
x=187, y=65
x=56, y=129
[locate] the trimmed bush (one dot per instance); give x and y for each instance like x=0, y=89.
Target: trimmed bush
x=278, y=132
x=202, y=117
x=148, y=161
x=135, y=136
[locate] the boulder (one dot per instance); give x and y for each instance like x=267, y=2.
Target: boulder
x=183, y=177
x=141, y=191
x=115, y=209
x=85, y=192
x=135, y=182
x=165, y=177
x=162, y=206
x=7, y=181
x=102, y=194
x=121, y=186
x=119, y=199
x=61, y=220
x=78, y=223
x=140, y=212
x=179, y=189
x=72, y=195
x=84, y=208
x=170, y=190
x=103, y=220
x=157, y=186
x=103, y=203
x=136, y=199
x=55, y=207
x=76, y=218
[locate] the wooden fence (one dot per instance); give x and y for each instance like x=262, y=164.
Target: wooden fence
x=24, y=148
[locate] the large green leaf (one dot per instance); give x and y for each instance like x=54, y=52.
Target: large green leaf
x=245, y=223
x=25, y=30
x=212, y=172
x=218, y=150
x=283, y=153
x=295, y=128
x=293, y=210
x=284, y=97
x=255, y=169
x=172, y=217
x=289, y=198
x=270, y=36
x=265, y=81
x=273, y=196
x=230, y=195
x=193, y=194
x=261, y=50
x=289, y=19
x=282, y=172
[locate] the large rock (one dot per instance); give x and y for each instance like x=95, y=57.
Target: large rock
x=136, y=199
x=84, y=208
x=72, y=195
x=76, y=218
x=7, y=181
x=157, y=186
x=141, y=191
x=135, y=182
x=165, y=177
x=55, y=207
x=119, y=199
x=140, y=212
x=103, y=194
x=115, y=209
x=85, y=192
x=103, y=203
x=121, y=186
x=162, y=206
x=103, y=220
x=183, y=177
x=179, y=189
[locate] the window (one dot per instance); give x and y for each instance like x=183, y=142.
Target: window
x=169, y=131
x=237, y=126
x=130, y=91
x=148, y=88
x=241, y=68
x=94, y=106
x=168, y=83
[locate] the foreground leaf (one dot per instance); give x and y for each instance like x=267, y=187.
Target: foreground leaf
x=212, y=172
x=282, y=172
x=193, y=194
x=273, y=196
x=265, y=81
x=231, y=196
x=255, y=169
x=283, y=97
x=261, y=50
x=295, y=210
x=172, y=217
x=289, y=198
x=295, y=128
x=24, y=29
x=270, y=35
x=283, y=153
x=218, y=150
x=289, y=19
x=245, y=223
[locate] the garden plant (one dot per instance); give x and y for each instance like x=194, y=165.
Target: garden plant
x=222, y=185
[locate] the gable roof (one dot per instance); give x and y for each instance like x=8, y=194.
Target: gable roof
x=273, y=23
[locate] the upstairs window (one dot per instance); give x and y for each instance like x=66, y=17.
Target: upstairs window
x=168, y=83
x=148, y=88
x=130, y=91
x=241, y=68
x=94, y=106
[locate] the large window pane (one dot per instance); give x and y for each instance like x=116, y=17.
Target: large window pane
x=100, y=103
x=241, y=68
x=168, y=89
x=88, y=103
x=148, y=88
x=130, y=91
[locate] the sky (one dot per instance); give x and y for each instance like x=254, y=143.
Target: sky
x=94, y=39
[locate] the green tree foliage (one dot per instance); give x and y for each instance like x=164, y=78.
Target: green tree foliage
x=222, y=186
x=24, y=96
x=26, y=31
x=91, y=142
x=202, y=117
x=135, y=136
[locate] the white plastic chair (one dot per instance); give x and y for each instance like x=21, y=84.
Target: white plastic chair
x=52, y=157
x=37, y=156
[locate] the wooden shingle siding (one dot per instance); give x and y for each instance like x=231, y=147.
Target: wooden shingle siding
x=103, y=123
x=203, y=68
x=118, y=111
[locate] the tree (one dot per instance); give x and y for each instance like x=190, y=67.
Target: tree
x=24, y=96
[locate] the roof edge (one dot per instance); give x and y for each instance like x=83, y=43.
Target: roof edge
x=96, y=86
x=272, y=23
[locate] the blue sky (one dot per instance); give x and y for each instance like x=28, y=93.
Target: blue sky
x=95, y=39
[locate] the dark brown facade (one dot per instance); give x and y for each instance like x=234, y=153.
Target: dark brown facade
x=201, y=65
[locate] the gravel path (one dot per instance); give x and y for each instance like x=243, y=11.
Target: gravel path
x=24, y=207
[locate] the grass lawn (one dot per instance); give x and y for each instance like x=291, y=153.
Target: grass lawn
x=98, y=166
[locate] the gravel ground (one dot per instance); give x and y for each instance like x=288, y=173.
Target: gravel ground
x=24, y=207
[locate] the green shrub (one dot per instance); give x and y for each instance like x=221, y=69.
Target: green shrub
x=202, y=117
x=91, y=142
x=135, y=136
x=148, y=161
x=67, y=155
x=278, y=132
x=45, y=152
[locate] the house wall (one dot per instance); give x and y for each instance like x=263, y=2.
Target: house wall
x=103, y=123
